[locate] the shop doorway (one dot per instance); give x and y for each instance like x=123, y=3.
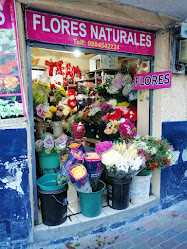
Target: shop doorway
x=93, y=73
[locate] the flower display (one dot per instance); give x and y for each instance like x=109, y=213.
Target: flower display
x=110, y=158
x=10, y=109
x=42, y=112
x=60, y=143
x=40, y=95
x=7, y=41
x=113, y=102
x=123, y=160
x=103, y=146
x=48, y=144
x=93, y=111
x=158, y=153
x=131, y=114
x=111, y=127
x=119, y=85
x=127, y=130
x=117, y=81
x=9, y=84
x=57, y=112
x=4, y=69
x=39, y=144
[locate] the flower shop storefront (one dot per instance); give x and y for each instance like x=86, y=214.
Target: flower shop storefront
x=91, y=149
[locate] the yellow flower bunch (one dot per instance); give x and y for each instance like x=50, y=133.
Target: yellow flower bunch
x=48, y=115
x=123, y=104
x=63, y=92
x=93, y=157
x=52, y=109
x=73, y=145
x=39, y=95
x=78, y=172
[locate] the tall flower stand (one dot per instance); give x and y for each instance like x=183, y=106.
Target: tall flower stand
x=57, y=128
x=140, y=187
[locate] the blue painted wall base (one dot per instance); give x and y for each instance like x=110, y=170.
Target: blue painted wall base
x=173, y=186
x=15, y=208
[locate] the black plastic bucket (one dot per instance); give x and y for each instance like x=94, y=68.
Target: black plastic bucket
x=118, y=191
x=91, y=130
x=54, y=206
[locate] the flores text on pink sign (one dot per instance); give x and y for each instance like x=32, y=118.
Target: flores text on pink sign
x=60, y=30
x=152, y=80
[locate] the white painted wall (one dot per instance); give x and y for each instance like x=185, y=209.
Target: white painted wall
x=169, y=104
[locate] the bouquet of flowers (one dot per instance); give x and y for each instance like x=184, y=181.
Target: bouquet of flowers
x=56, y=113
x=49, y=144
x=42, y=112
x=127, y=130
x=119, y=85
x=158, y=153
x=40, y=94
x=10, y=109
x=121, y=160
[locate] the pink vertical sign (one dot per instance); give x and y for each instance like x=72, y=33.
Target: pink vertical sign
x=11, y=85
x=5, y=16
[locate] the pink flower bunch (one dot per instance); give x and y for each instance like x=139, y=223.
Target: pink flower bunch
x=41, y=111
x=127, y=129
x=103, y=146
x=59, y=111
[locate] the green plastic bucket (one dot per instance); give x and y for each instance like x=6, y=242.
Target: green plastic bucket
x=145, y=173
x=91, y=203
x=48, y=182
x=48, y=163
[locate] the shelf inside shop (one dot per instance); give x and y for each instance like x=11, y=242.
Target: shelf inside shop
x=108, y=70
x=39, y=67
x=71, y=85
x=91, y=79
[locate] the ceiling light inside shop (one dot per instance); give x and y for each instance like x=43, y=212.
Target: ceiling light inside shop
x=77, y=53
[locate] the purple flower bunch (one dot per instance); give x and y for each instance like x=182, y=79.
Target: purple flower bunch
x=103, y=146
x=60, y=143
x=117, y=81
x=48, y=144
x=105, y=107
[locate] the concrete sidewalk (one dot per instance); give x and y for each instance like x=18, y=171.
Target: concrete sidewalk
x=166, y=229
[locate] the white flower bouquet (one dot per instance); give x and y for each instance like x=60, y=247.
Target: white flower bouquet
x=122, y=161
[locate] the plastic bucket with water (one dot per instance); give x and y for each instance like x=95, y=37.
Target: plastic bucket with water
x=140, y=189
x=78, y=131
x=118, y=191
x=53, y=200
x=91, y=203
x=48, y=163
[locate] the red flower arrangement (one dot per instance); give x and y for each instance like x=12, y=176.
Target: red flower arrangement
x=131, y=114
x=115, y=115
